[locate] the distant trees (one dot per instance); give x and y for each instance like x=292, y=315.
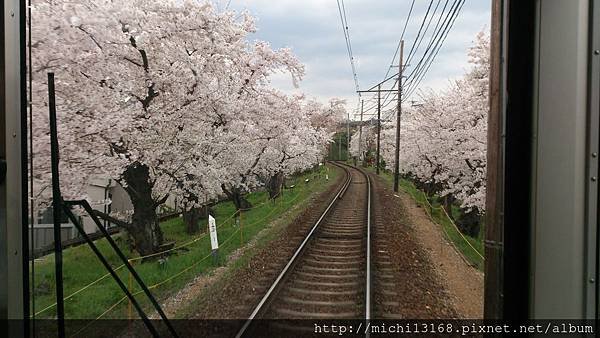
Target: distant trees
x=166, y=97
x=443, y=139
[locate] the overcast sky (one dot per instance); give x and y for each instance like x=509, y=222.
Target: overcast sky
x=313, y=30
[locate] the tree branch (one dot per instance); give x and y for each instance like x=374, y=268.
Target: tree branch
x=161, y=201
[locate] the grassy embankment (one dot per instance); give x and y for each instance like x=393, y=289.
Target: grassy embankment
x=101, y=297
x=433, y=206
x=190, y=309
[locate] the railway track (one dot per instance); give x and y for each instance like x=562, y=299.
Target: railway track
x=329, y=275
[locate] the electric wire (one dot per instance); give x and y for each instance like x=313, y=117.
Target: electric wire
x=413, y=85
x=346, y=31
x=420, y=40
x=443, y=25
x=401, y=38
x=433, y=56
x=440, y=30
x=438, y=33
x=412, y=48
x=385, y=77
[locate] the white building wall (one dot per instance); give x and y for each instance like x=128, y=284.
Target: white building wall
x=101, y=189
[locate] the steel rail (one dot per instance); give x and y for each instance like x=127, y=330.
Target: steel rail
x=270, y=292
x=283, y=272
x=368, y=290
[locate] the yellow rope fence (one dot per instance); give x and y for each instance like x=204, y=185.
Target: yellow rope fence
x=453, y=224
x=154, y=286
x=186, y=244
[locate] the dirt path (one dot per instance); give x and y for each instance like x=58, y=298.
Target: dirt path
x=462, y=283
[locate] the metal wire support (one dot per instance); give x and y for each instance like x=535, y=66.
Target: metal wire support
x=60, y=206
x=88, y=208
x=56, y=208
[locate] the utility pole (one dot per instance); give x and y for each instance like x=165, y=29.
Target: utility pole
x=378, y=91
x=360, y=153
x=378, y=126
x=339, y=146
x=494, y=211
x=398, y=118
x=348, y=138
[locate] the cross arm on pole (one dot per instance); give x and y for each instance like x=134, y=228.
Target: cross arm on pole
x=377, y=91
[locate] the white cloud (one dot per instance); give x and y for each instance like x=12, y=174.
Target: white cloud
x=313, y=30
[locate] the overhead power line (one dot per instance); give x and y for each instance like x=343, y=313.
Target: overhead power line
x=437, y=34
x=419, y=40
x=412, y=48
x=401, y=38
x=386, y=99
x=391, y=65
x=417, y=75
x=346, y=30
x=444, y=21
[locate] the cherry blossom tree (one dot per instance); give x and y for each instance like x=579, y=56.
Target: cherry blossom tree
x=447, y=134
x=303, y=143
x=443, y=139
x=153, y=94
x=292, y=138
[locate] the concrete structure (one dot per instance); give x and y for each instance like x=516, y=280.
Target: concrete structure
x=101, y=189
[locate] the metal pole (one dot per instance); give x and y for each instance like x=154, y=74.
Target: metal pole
x=398, y=118
x=88, y=208
x=378, y=126
x=31, y=171
x=108, y=267
x=14, y=244
x=56, y=208
x=360, y=153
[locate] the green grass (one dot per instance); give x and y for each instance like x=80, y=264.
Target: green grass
x=440, y=218
x=191, y=309
x=81, y=267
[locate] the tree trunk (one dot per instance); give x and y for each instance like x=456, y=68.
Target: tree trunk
x=191, y=218
x=274, y=185
x=144, y=228
x=237, y=197
x=448, y=200
x=469, y=223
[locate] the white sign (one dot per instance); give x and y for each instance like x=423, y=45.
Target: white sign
x=212, y=228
